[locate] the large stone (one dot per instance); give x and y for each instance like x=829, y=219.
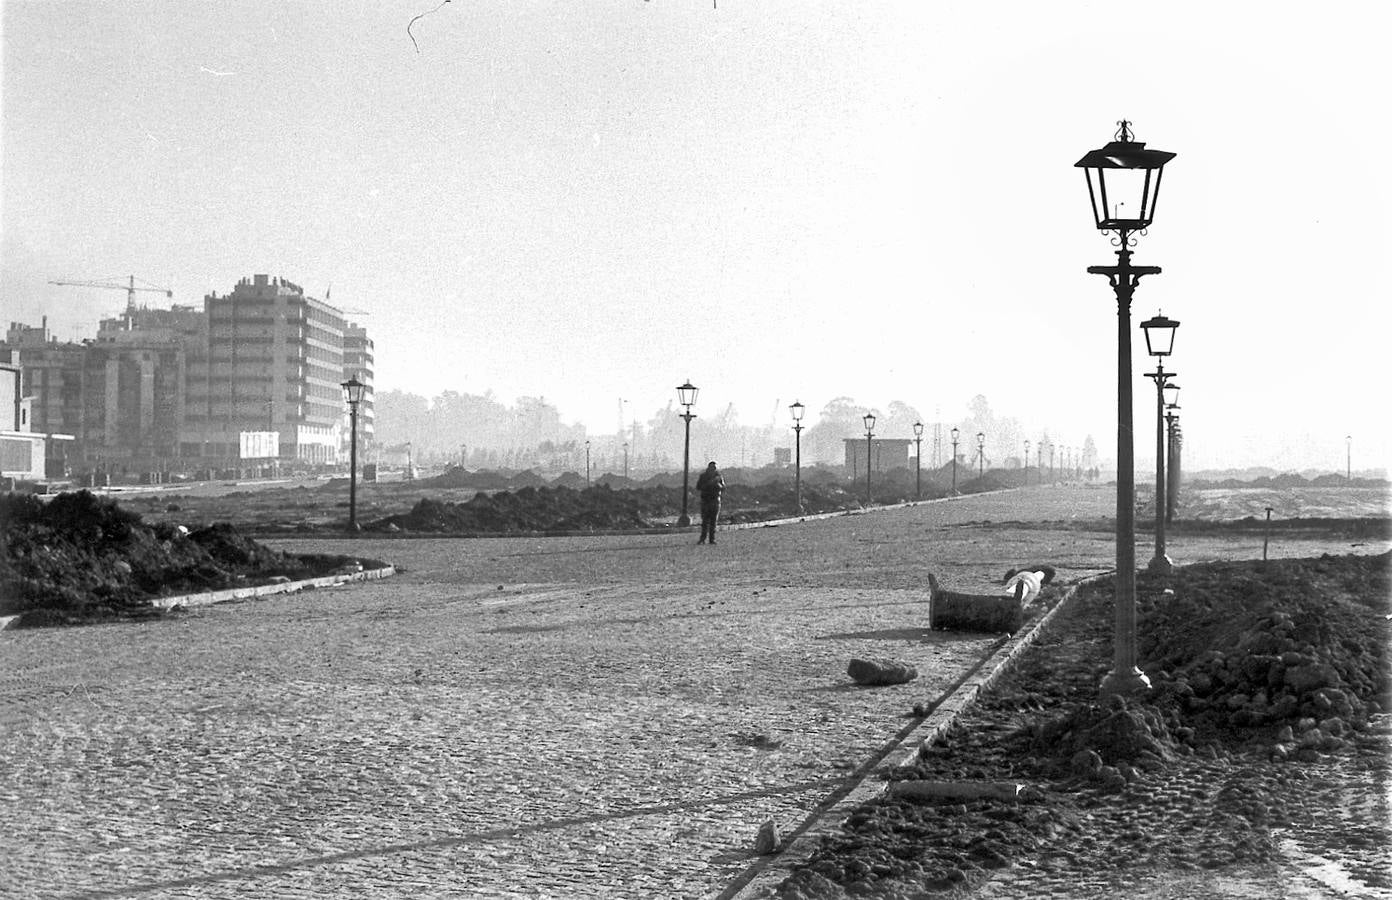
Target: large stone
x=766, y=841
x=880, y=671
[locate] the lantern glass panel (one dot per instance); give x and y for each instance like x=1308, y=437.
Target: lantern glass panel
x=1159, y=335
x=686, y=393
x=798, y=410
x=869, y=421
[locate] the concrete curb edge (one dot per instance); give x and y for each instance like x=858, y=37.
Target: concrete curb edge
x=765, y=883
x=251, y=593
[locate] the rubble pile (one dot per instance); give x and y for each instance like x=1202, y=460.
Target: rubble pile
x=81, y=557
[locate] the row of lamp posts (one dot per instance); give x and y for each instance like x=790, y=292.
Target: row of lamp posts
x=1123, y=180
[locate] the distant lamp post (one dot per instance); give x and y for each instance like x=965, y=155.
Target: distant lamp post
x=955, y=435
x=918, y=460
x=686, y=396
x=1027, y=446
x=353, y=393
x=1159, y=338
x=587, y=464
x=625, y=460
x=1123, y=180
x=410, y=464
x=1348, y=458
x=869, y=420
x=980, y=455
x=797, y=409
x=1171, y=463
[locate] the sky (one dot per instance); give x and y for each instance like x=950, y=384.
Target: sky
x=594, y=201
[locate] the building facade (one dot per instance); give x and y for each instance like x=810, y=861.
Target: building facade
x=252, y=378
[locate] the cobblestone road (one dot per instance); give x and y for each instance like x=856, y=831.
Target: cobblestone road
x=598, y=717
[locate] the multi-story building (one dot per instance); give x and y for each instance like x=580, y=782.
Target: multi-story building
x=358, y=363
x=159, y=389
x=52, y=377
x=275, y=363
x=25, y=454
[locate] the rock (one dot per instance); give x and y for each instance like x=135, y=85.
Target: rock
x=1305, y=724
x=766, y=841
x=1303, y=679
x=1285, y=735
x=278, y=579
x=880, y=672
x=1086, y=762
x=1333, y=726
x=122, y=566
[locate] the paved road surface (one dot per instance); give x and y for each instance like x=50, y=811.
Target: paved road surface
x=588, y=717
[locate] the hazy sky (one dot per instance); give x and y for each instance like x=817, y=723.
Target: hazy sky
x=598, y=199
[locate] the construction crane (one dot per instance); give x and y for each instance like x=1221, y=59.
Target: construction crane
x=129, y=288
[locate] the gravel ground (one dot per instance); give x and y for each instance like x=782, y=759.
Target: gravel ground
x=596, y=717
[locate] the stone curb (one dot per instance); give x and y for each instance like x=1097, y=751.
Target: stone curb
x=764, y=884
x=250, y=593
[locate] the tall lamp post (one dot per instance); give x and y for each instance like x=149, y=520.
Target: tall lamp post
x=1027, y=446
x=797, y=409
x=955, y=435
x=625, y=460
x=980, y=455
x=686, y=396
x=1159, y=338
x=918, y=460
x=1123, y=181
x=1171, y=451
x=869, y=420
x=1348, y=459
x=587, y=464
x=353, y=393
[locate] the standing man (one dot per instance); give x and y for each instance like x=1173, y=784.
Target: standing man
x=709, y=486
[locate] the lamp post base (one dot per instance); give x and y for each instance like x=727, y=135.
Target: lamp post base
x=1161, y=565
x=1125, y=683
x=683, y=521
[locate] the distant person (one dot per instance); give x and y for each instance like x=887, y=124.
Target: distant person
x=709, y=486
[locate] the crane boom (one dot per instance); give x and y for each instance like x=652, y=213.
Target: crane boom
x=129, y=288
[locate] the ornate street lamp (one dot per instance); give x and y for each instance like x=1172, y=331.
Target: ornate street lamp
x=955, y=434
x=980, y=455
x=1027, y=446
x=869, y=420
x=1123, y=180
x=353, y=393
x=587, y=464
x=797, y=410
x=686, y=396
x=1159, y=337
x=918, y=460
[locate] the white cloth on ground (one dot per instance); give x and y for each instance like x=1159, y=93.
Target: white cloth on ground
x=1024, y=586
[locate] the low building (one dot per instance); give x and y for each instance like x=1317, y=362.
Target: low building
x=886, y=454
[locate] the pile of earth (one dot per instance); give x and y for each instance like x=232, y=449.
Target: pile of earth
x=600, y=508
x=80, y=557
x=1266, y=678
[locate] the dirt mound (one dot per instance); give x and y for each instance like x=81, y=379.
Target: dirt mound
x=1264, y=674
x=81, y=557
x=528, y=510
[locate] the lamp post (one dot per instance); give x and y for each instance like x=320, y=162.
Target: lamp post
x=1027, y=446
x=1172, y=450
x=1132, y=174
x=1348, y=459
x=1051, y=462
x=410, y=464
x=980, y=455
x=587, y=464
x=686, y=396
x=869, y=420
x=625, y=460
x=1159, y=337
x=797, y=409
x=918, y=460
x=353, y=393
x=955, y=434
